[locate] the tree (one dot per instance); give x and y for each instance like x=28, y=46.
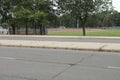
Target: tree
x=81, y=9
x=21, y=11
x=102, y=19
x=40, y=18
x=5, y=10
x=23, y=16
x=116, y=18
x=43, y=14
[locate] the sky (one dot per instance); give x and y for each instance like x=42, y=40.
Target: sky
x=116, y=4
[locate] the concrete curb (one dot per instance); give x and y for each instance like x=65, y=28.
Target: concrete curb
x=62, y=45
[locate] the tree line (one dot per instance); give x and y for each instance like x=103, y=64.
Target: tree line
x=100, y=20
x=26, y=13
x=37, y=14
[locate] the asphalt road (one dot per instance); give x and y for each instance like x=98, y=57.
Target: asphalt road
x=57, y=64
x=61, y=39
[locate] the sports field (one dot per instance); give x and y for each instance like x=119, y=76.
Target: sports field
x=108, y=32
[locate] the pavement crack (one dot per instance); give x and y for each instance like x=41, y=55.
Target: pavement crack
x=55, y=76
x=101, y=48
x=83, y=58
x=70, y=66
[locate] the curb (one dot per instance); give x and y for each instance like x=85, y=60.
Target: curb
x=62, y=45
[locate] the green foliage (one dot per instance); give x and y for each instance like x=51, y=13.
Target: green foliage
x=115, y=17
x=40, y=17
x=23, y=14
x=21, y=9
x=81, y=9
x=5, y=10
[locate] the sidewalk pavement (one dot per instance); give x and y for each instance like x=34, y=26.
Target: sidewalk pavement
x=62, y=45
x=87, y=37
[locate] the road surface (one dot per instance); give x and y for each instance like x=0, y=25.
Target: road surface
x=57, y=64
x=100, y=40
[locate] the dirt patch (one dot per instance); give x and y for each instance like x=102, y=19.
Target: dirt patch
x=72, y=30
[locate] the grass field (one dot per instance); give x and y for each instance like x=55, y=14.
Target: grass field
x=94, y=33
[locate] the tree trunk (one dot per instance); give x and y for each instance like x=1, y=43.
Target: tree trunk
x=44, y=30
x=34, y=27
x=77, y=21
x=83, y=26
x=13, y=29
x=26, y=29
x=84, y=31
x=41, y=32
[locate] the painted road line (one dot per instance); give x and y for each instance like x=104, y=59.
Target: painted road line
x=111, y=67
x=8, y=58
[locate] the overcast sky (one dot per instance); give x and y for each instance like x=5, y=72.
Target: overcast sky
x=116, y=4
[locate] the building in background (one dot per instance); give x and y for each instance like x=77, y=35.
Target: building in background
x=3, y=31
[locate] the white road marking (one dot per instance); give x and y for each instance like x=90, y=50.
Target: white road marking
x=8, y=58
x=111, y=67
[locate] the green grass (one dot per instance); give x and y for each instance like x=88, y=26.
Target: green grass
x=98, y=33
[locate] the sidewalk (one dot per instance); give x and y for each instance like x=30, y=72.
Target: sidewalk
x=91, y=37
x=62, y=45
